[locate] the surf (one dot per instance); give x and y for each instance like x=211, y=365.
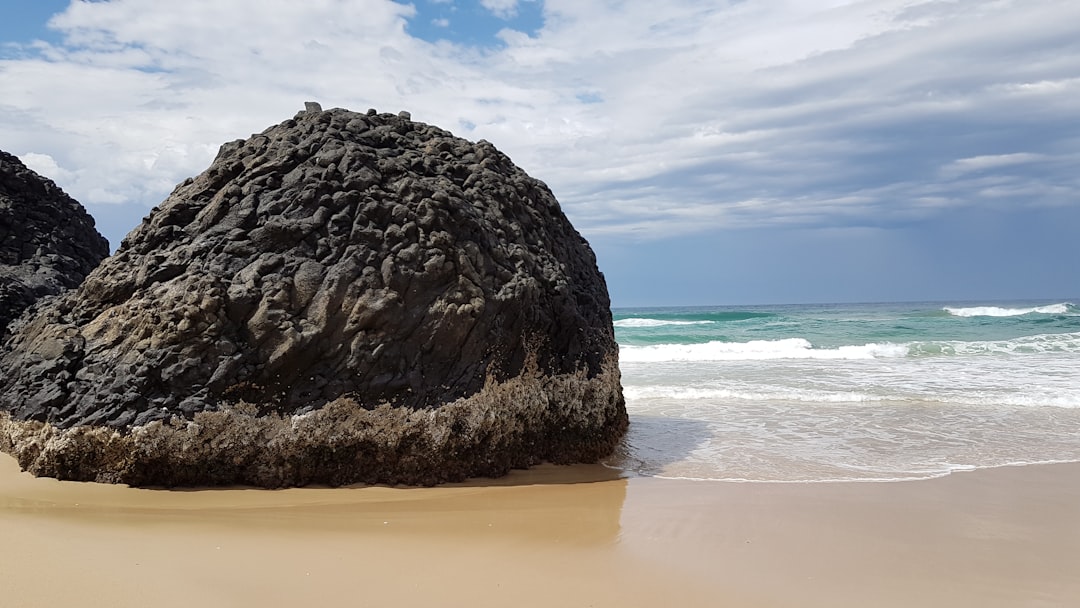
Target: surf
x=1063, y=308
x=637, y=322
x=758, y=350
x=850, y=391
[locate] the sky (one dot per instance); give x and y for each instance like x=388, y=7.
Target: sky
x=712, y=152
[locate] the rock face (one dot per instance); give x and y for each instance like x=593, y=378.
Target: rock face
x=344, y=297
x=47, y=240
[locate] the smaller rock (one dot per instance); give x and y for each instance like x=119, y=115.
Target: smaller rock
x=312, y=106
x=48, y=242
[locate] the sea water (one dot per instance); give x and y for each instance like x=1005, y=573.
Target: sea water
x=853, y=392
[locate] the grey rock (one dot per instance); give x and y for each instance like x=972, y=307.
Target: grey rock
x=47, y=240
x=343, y=297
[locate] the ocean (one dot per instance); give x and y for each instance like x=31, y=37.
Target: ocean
x=848, y=392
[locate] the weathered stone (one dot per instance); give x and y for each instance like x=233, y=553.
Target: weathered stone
x=343, y=297
x=47, y=240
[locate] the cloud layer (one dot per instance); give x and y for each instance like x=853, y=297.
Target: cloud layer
x=648, y=120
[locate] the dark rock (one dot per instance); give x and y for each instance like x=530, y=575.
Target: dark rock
x=343, y=297
x=47, y=240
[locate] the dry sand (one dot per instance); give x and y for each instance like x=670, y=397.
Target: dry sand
x=554, y=536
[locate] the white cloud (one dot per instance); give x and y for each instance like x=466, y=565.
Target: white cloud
x=504, y=9
x=990, y=162
x=45, y=165
x=668, y=117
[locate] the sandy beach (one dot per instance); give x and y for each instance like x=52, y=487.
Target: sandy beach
x=552, y=536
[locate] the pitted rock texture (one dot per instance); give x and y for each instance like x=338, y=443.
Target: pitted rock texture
x=47, y=240
x=359, y=260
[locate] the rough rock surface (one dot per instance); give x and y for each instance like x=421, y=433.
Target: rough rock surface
x=47, y=240
x=343, y=297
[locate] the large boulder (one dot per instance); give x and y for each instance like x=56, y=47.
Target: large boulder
x=342, y=298
x=47, y=240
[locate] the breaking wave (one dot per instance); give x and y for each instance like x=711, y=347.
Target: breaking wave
x=800, y=348
x=1064, y=308
x=640, y=322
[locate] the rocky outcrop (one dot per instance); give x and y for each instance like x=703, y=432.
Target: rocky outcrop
x=47, y=240
x=343, y=297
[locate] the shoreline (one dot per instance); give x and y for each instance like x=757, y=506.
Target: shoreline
x=960, y=470
x=577, y=536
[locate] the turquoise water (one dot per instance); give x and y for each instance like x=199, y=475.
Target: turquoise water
x=849, y=392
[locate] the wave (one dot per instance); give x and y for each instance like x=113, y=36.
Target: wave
x=645, y=319
x=727, y=394
x=915, y=474
x=641, y=322
x=1043, y=398
x=791, y=348
x=1043, y=343
x=1064, y=308
x=800, y=348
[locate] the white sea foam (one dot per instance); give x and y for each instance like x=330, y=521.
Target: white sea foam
x=727, y=394
x=800, y=348
x=1060, y=398
x=995, y=311
x=791, y=348
x=1067, y=399
x=898, y=477
x=1042, y=343
x=644, y=322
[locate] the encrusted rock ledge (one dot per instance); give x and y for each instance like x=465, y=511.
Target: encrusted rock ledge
x=532, y=418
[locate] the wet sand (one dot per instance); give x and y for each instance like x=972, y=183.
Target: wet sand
x=553, y=536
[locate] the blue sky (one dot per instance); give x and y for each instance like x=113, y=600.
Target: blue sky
x=754, y=151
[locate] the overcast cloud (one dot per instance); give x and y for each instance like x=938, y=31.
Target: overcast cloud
x=827, y=124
